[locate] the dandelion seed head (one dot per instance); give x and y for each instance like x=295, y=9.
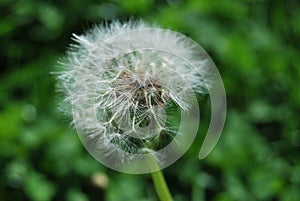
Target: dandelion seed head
x=120, y=80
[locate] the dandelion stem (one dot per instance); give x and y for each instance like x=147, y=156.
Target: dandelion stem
x=159, y=181
x=161, y=186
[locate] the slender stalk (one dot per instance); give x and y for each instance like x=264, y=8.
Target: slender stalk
x=161, y=186
x=159, y=181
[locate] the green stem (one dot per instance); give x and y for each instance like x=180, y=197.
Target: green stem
x=161, y=186
x=159, y=181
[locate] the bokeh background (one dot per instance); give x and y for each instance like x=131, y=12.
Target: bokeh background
x=255, y=45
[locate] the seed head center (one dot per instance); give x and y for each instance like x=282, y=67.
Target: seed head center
x=140, y=89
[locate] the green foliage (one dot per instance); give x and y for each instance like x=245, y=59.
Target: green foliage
x=255, y=45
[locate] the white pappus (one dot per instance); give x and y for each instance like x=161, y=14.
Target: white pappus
x=122, y=81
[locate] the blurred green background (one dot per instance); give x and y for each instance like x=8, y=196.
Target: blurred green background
x=255, y=45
